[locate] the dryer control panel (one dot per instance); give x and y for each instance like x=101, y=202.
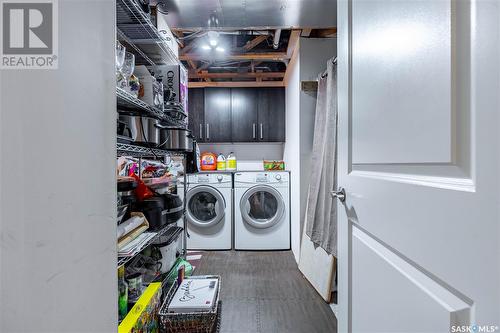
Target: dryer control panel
x=263, y=177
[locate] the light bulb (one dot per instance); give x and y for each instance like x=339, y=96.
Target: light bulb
x=213, y=42
x=219, y=49
x=205, y=47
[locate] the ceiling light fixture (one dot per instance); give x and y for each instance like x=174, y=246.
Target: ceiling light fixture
x=206, y=47
x=219, y=49
x=213, y=38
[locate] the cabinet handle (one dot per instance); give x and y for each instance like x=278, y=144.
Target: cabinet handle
x=254, y=127
x=201, y=131
x=208, y=132
x=261, y=133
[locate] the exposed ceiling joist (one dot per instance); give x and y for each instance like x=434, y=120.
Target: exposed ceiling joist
x=291, y=64
x=188, y=47
x=326, y=33
x=191, y=64
x=230, y=84
x=292, y=42
x=262, y=75
x=276, y=56
x=306, y=32
x=254, y=42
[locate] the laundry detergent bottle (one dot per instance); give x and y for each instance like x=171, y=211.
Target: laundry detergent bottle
x=231, y=162
x=221, y=162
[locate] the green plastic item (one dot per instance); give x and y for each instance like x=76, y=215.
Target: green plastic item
x=122, y=294
x=188, y=270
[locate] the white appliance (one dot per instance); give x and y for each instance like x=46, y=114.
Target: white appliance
x=262, y=210
x=209, y=202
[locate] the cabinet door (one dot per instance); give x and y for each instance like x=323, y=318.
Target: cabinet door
x=271, y=115
x=196, y=113
x=217, y=115
x=244, y=114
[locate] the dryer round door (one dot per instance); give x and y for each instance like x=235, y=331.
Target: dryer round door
x=205, y=206
x=262, y=206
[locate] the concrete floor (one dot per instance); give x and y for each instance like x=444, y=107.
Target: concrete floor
x=265, y=292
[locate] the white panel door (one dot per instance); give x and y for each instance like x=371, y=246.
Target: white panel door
x=419, y=160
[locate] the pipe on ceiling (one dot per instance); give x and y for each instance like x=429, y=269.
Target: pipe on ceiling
x=276, y=40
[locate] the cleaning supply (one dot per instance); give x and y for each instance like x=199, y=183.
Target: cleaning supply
x=208, y=161
x=231, y=162
x=221, y=162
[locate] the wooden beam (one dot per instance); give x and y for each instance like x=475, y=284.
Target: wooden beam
x=179, y=35
x=291, y=64
x=262, y=75
x=188, y=47
x=206, y=77
x=259, y=77
x=269, y=56
x=326, y=33
x=191, y=64
x=292, y=42
x=234, y=84
x=254, y=42
x=306, y=32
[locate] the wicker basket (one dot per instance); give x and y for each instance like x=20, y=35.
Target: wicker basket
x=195, y=322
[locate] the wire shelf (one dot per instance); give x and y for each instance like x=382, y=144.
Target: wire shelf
x=124, y=149
x=127, y=101
x=170, y=229
x=140, y=33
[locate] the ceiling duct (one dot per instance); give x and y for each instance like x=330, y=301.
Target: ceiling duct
x=276, y=40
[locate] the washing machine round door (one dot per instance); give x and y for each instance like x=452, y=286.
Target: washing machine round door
x=205, y=206
x=262, y=206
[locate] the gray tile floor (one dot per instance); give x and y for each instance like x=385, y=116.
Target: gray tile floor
x=265, y=292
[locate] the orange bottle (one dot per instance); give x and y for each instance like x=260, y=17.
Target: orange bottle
x=208, y=161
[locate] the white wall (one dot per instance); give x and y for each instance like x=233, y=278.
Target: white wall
x=300, y=115
x=57, y=182
x=246, y=151
x=291, y=153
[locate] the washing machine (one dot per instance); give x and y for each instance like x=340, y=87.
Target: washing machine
x=262, y=210
x=208, y=210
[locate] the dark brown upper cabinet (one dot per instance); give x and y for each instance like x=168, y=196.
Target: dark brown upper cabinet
x=237, y=114
x=245, y=114
x=218, y=115
x=196, y=113
x=271, y=115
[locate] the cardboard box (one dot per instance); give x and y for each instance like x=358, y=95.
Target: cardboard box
x=166, y=33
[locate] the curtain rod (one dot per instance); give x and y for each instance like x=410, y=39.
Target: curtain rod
x=325, y=73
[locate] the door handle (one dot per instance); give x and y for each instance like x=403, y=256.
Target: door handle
x=254, y=128
x=201, y=131
x=340, y=194
x=261, y=134
x=208, y=132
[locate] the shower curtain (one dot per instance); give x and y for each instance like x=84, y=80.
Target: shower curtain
x=321, y=211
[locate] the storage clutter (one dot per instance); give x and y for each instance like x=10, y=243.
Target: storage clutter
x=199, y=311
